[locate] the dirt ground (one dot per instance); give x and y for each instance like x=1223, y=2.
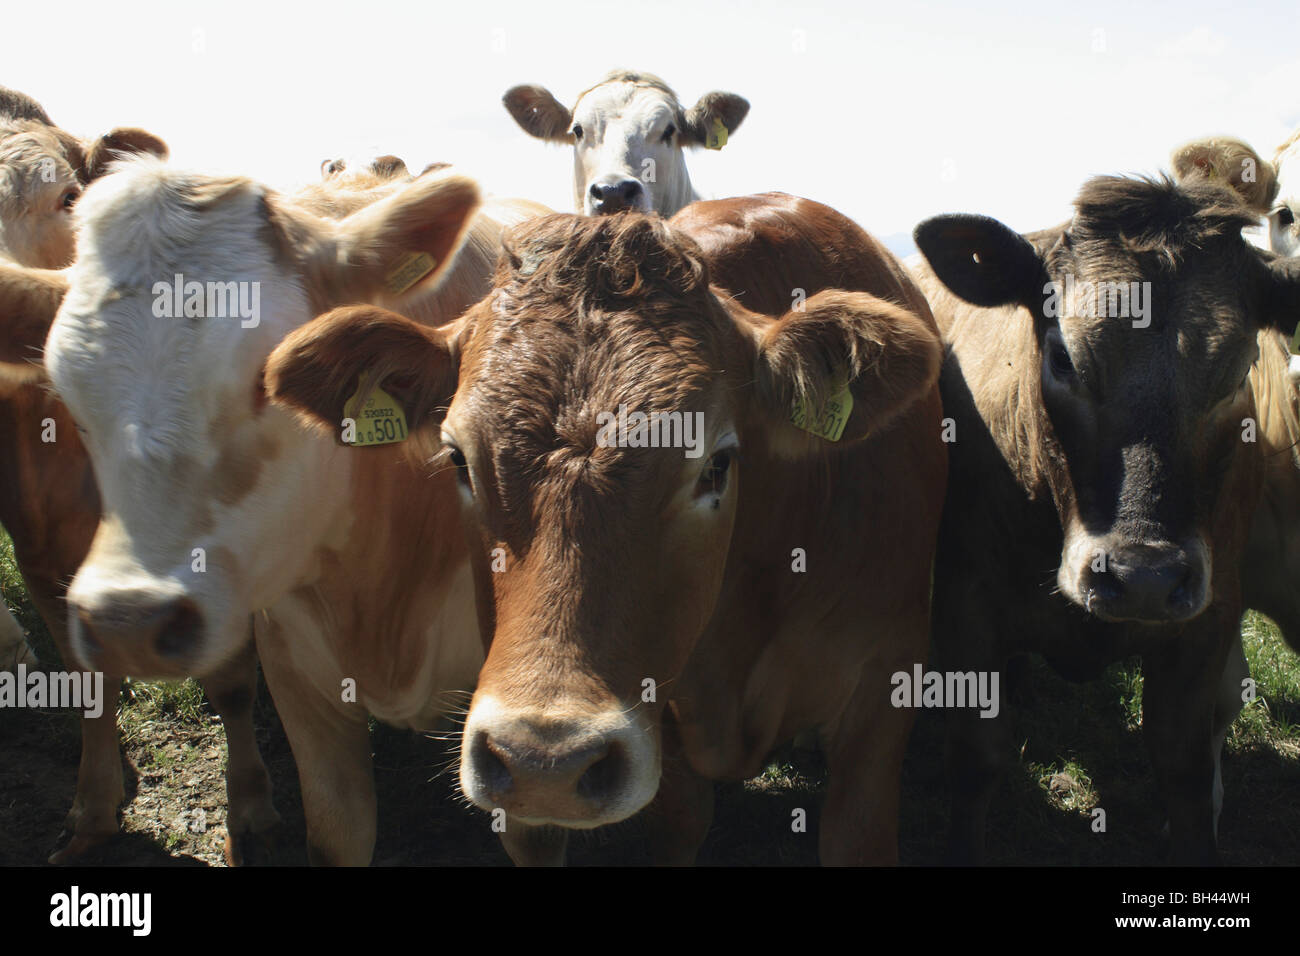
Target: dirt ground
x=175, y=769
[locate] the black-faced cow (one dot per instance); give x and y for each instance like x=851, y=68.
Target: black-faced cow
x=1099, y=381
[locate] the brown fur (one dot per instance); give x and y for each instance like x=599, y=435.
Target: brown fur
x=588, y=313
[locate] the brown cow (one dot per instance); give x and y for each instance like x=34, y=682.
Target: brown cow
x=1099, y=391
x=644, y=607
x=48, y=500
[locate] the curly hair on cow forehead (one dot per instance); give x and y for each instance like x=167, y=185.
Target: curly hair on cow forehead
x=636, y=79
x=601, y=262
x=1159, y=215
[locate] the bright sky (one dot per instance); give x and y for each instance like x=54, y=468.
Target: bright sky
x=890, y=112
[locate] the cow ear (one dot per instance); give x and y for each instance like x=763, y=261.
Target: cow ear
x=385, y=249
x=1229, y=161
x=715, y=117
x=982, y=261
x=320, y=366
x=841, y=368
x=539, y=113
x=1280, y=306
x=29, y=300
x=116, y=144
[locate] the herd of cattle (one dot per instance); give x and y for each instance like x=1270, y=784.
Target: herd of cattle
x=946, y=464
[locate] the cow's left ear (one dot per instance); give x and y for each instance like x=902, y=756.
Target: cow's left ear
x=715, y=117
x=320, y=366
x=982, y=261
x=841, y=368
x=1281, y=296
x=116, y=144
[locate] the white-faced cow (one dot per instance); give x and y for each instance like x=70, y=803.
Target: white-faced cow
x=1102, y=479
x=217, y=506
x=1284, y=217
x=49, y=503
x=664, y=603
x=629, y=135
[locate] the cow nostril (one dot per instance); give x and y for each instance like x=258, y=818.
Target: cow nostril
x=489, y=767
x=1181, y=592
x=603, y=777
x=597, y=191
x=1106, y=586
x=629, y=189
x=180, y=630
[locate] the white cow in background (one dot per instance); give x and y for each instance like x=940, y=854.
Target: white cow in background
x=1283, y=229
x=629, y=134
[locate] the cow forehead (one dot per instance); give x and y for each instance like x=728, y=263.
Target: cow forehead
x=146, y=219
x=123, y=351
x=631, y=103
x=548, y=368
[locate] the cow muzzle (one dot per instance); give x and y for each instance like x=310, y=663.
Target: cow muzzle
x=1146, y=583
x=570, y=770
x=616, y=196
x=123, y=634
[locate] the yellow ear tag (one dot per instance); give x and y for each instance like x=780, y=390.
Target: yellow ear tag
x=830, y=423
x=380, y=421
x=717, y=136
x=407, y=271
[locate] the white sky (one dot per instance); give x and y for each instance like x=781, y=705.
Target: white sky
x=890, y=112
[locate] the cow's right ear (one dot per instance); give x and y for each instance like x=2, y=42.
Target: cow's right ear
x=539, y=113
x=982, y=261
x=319, y=367
x=29, y=300
x=117, y=144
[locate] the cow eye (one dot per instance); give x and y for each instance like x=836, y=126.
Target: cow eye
x=69, y=198
x=457, y=458
x=1058, y=357
x=577, y=131
x=713, y=480
x=1285, y=216
x=669, y=133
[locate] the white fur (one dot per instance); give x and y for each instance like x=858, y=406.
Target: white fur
x=623, y=126
x=1285, y=240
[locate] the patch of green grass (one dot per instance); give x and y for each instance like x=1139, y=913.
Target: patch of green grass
x=144, y=703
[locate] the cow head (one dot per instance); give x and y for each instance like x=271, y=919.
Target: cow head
x=1284, y=217
x=213, y=502
x=43, y=171
x=603, y=549
x=1145, y=311
x=629, y=133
